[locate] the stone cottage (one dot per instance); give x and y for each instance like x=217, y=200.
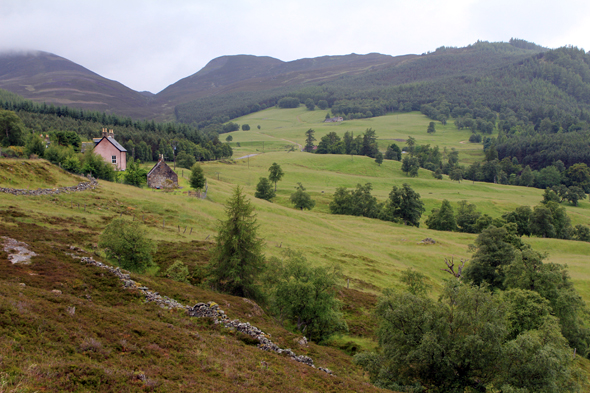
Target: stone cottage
x=110, y=150
x=162, y=176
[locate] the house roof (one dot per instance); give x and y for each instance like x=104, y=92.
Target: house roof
x=113, y=141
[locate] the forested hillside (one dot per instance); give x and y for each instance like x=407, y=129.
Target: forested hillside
x=22, y=122
x=536, y=101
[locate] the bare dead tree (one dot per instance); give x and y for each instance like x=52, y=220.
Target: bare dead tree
x=451, y=267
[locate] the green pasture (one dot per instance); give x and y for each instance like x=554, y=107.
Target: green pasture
x=287, y=126
x=370, y=252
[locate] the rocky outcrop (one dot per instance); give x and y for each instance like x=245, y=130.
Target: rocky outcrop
x=84, y=186
x=202, y=310
x=18, y=252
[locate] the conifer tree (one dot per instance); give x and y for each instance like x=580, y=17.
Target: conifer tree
x=237, y=259
x=197, y=179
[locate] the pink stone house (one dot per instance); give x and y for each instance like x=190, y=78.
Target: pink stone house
x=110, y=150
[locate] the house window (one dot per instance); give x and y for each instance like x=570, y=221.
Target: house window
x=114, y=159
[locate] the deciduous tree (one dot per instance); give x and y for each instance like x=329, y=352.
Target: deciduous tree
x=404, y=205
x=463, y=342
x=431, y=129
x=301, y=199
x=11, y=129
x=134, y=174
x=442, y=219
x=379, y=158
x=306, y=296
x=264, y=189
x=276, y=174
x=309, y=140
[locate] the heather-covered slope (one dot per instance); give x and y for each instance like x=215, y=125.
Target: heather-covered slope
x=45, y=77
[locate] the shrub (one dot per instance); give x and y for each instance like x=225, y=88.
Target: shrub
x=126, y=243
x=305, y=296
x=178, y=271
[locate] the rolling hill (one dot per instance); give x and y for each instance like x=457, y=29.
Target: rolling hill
x=45, y=77
x=243, y=80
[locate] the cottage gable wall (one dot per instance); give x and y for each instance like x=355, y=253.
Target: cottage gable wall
x=162, y=176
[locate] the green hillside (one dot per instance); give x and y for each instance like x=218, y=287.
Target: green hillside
x=114, y=341
x=372, y=254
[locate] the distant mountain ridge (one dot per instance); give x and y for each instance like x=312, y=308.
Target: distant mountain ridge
x=45, y=77
x=228, y=74
x=229, y=86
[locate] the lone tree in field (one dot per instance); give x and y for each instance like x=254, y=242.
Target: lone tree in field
x=237, y=259
x=245, y=127
x=264, y=190
x=301, y=199
x=126, y=242
x=379, y=158
x=309, y=140
x=431, y=129
x=197, y=179
x=276, y=174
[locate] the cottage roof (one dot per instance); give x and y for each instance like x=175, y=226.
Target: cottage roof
x=160, y=163
x=155, y=166
x=112, y=140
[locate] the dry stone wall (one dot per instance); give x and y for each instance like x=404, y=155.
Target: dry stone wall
x=202, y=310
x=91, y=184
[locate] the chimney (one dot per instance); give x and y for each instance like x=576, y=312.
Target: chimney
x=111, y=134
x=104, y=132
x=161, y=157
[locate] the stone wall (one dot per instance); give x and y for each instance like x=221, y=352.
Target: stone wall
x=201, y=310
x=162, y=176
x=89, y=185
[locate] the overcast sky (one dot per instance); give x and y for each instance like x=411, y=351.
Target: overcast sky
x=150, y=44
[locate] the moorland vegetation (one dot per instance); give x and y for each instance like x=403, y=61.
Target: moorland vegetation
x=513, y=318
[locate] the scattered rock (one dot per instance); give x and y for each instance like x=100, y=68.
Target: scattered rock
x=206, y=310
x=56, y=291
x=428, y=240
x=22, y=284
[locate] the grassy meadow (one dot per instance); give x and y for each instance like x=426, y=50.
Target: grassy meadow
x=370, y=252
x=280, y=128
